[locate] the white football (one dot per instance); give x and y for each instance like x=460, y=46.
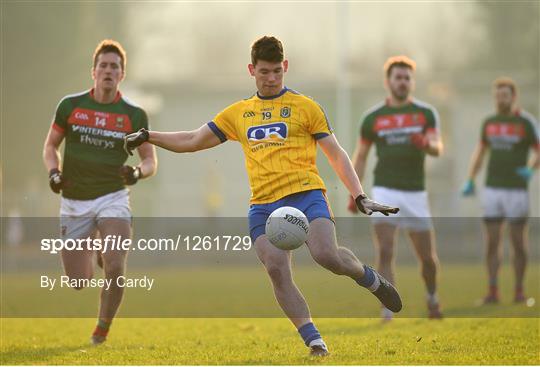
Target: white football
x=287, y=228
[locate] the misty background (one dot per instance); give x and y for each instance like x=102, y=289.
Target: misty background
x=187, y=61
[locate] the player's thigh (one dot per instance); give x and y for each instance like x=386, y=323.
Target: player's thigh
x=118, y=230
x=78, y=264
x=493, y=230
x=322, y=237
x=385, y=237
x=114, y=227
x=518, y=230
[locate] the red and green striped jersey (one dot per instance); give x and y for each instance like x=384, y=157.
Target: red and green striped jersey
x=509, y=138
x=400, y=165
x=94, y=134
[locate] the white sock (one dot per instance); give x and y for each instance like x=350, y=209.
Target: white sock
x=375, y=285
x=432, y=298
x=386, y=314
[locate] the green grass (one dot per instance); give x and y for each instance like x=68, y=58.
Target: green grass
x=500, y=334
x=272, y=341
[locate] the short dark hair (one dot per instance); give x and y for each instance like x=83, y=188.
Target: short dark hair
x=398, y=61
x=267, y=48
x=505, y=82
x=113, y=46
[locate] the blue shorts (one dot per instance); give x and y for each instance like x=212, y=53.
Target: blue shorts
x=313, y=204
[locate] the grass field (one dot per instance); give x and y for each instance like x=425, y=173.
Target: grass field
x=501, y=334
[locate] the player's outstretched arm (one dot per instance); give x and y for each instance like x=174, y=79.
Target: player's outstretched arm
x=178, y=142
x=342, y=165
x=359, y=160
x=474, y=167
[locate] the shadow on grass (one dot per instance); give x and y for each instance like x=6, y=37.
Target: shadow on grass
x=28, y=356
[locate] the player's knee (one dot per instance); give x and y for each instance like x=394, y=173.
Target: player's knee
x=328, y=260
x=277, y=269
x=386, y=254
x=77, y=282
x=114, y=268
x=520, y=252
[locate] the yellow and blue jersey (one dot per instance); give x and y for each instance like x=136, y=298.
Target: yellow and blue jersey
x=278, y=136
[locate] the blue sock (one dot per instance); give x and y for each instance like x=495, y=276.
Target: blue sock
x=368, y=279
x=309, y=333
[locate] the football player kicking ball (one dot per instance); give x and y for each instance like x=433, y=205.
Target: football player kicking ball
x=279, y=130
x=403, y=131
x=508, y=135
x=93, y=178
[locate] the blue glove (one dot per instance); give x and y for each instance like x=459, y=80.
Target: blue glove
x=525, y=172
x=468, y=188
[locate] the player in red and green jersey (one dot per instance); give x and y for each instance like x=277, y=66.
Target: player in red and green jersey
x=93, y=177
x=403, y=131
x=279, y=130
x=509, y=136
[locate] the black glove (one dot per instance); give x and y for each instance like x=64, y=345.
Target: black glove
x=130, y=174
x=56, y=181
x=132, y=141
x=368, y=206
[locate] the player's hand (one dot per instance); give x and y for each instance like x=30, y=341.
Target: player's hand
x=420, y=141
x=468, y=189
x=130, y=174
x=351, y=206
x=525, y=172
x=132, y=141
x=368, y=206
x=56, y=181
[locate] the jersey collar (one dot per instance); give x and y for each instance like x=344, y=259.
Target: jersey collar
x=410, y=101
x=115, y=100
x=283, y=91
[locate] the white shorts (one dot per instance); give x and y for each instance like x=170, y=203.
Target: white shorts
x=499, y=203
x=413, y=207
x=79, y=218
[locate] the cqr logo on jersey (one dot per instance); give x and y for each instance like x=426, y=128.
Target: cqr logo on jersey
x=263, y=136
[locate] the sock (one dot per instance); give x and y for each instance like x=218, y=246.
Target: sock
x=432, y=298
x=493, y=289
x=102, y=328
x=386, y=313
x=493, y=282
x=309, y=333
x=519, y=289
x=369, y=280
x=318, y=342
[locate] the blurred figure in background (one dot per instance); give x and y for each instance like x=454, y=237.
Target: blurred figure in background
x=403, y=131
x=93, y=178
x=509, y=135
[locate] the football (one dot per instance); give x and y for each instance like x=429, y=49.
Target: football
x=287, y=228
